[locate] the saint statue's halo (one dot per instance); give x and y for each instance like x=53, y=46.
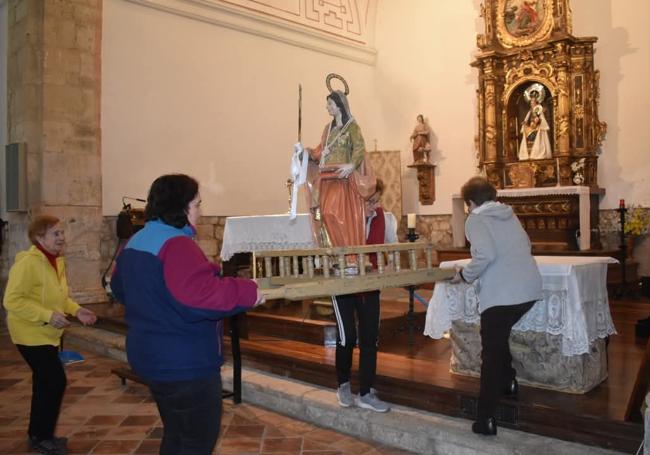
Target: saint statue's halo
x=340, y=78
x=536, y=87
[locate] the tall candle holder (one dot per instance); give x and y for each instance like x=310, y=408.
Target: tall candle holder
x=622, y=210
x=411, y=236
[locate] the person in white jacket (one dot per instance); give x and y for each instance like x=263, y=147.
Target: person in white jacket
x=508, y=284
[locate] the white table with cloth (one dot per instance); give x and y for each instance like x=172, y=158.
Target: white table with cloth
x=248, y=234
x=559, y=344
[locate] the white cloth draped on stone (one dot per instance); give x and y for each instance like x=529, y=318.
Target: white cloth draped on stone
x=575, y=304
x=245, y=234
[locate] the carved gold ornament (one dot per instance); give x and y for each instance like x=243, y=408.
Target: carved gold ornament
x=523, y=22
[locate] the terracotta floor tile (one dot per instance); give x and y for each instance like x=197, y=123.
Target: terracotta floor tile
x=156, y=433
x=13, y=445
x=77, y=390
x=139, y=420
x=6, y=420
x=296, y=428
x=101, y=416
x=284, y=445
x=131, y=432
x=90, y=432
x=239, y=446
x=76, y=445
x=244, y=431
x=116, y=446
x=108, y=420
x=324, y=452
x=324, y=435
x=148, y=446
x=310, y=445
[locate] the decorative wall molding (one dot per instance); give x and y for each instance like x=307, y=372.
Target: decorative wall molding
x=343, y=28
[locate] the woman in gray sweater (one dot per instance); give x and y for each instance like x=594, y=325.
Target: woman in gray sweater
x=508, y=284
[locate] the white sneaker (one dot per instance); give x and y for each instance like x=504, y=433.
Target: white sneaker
x=344, y=394
x=370, y=401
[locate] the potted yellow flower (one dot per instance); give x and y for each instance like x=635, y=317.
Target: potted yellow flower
x=636, y=224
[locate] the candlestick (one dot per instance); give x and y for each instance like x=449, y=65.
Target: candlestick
x=410, y=221
x=557, y=170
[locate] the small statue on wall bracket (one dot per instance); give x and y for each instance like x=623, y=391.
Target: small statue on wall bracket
x=421, y=138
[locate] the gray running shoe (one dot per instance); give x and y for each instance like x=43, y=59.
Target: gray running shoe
x=344, y=394
x=370, y=401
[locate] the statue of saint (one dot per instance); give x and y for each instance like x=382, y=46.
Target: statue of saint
x=421, y=138
x=339, y=179
x=535, y=143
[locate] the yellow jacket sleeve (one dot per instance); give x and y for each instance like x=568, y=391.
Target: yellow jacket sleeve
x=70, y=306
x=21, y=282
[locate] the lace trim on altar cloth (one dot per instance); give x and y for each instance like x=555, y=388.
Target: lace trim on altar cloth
x=246, y=234
x=229, y=250
x=524, y=192
x=578, y=325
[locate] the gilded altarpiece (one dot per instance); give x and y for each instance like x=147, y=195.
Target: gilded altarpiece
x=538, y=114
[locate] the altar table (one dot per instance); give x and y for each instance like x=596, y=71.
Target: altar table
x=584, y=197
x=248, y=234
x=558, y=344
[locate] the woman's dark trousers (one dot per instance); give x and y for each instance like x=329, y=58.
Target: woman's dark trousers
x=48, y=387
x=496, y=361
x=366, y=308
x=191, y=415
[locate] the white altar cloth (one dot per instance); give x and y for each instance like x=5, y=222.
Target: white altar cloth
x=584, y=203
x=247, y=234
x=575, y=304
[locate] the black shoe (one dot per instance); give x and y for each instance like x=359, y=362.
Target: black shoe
x=54, y=446
x=511, y=389
x=486, y=426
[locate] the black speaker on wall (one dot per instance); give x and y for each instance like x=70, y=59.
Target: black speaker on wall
x=16, y=176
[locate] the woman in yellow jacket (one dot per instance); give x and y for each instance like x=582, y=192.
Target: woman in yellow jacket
x=37, y=302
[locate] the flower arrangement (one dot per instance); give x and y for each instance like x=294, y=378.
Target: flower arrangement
x=637, y=220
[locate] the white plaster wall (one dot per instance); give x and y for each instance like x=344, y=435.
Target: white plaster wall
x=425, y=50
x=623, y=57
x=3, y=103
x=181, y=95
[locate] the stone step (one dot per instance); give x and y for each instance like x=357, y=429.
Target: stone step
x=405, y=428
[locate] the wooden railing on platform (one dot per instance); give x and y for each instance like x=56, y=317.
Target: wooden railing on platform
x=303, y=274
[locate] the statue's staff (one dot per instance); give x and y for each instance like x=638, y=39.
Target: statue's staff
x=299, y=162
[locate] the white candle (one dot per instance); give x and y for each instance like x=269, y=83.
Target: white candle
x=410, y=221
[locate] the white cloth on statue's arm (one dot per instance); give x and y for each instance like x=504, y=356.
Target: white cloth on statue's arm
x=299, y=162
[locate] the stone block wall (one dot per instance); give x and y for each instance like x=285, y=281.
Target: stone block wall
x=53, y=93
x=436, y=228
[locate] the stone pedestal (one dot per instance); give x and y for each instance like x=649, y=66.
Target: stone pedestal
x=536, y=356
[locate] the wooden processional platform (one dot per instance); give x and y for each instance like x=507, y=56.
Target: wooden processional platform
x=296, y=338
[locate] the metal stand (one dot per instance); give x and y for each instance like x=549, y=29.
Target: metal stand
x=411, y=236
x=622, y=291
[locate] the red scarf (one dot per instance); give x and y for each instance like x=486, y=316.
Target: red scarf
x=51, y=258
x=376, y=233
